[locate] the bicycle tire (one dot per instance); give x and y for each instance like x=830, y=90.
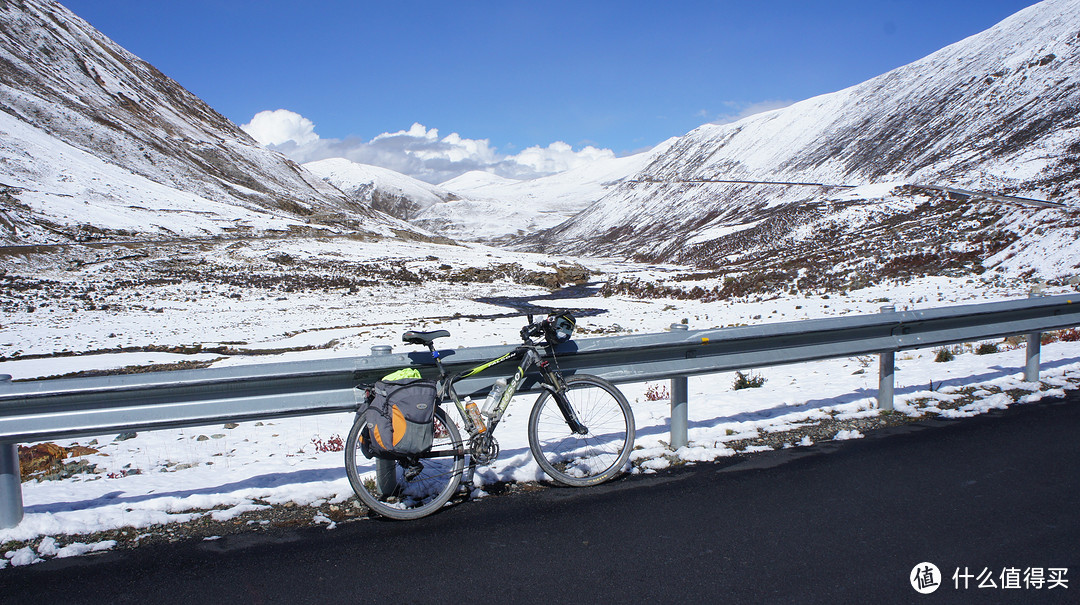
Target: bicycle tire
x=412, y=499
x=583, y=460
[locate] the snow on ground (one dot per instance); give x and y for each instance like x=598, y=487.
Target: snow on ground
x=161, y=477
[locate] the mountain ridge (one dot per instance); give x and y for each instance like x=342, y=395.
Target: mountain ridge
x=67, y=81
x=998, y=111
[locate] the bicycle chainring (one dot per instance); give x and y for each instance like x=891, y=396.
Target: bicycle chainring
x=484, y=448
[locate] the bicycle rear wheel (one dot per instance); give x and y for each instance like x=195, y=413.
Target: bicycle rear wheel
x=399, y=490
x=592, y=458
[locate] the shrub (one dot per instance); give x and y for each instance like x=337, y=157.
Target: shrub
x=986, y=348
x=748, y=381
x=1070, y=335
x=944, y=354
x=657, y=393
x=333, y=444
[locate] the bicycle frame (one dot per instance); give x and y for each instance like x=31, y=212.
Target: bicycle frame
x=528, y=358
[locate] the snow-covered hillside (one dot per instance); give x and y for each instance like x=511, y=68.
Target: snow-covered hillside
x=94, y=140
x=54, y=192
x=999, y=111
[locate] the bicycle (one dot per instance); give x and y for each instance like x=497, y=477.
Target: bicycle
x=580, y=430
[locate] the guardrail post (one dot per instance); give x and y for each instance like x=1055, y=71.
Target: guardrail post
x=1034, y=350
x=11, y=502
x=679, y=412
x=887, y=373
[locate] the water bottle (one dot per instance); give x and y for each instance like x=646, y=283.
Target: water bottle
x=474, y=414
x=493, y=397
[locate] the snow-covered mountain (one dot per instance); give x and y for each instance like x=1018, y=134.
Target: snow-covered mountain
x=481, y=206
x=94, y=141
x=529, y=206
x=999, y=111
x=383, y=189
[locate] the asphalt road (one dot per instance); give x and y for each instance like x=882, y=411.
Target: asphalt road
x=842, y=522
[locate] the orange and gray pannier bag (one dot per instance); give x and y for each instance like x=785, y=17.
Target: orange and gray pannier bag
x=400, y=418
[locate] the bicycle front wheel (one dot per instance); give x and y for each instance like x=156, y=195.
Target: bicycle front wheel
x=403, y=490
x=582, y=459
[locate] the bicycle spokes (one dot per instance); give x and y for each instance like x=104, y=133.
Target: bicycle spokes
x=594, y=450
x=408, y=489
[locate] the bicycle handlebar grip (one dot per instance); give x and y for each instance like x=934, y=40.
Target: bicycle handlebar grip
x=531, y=330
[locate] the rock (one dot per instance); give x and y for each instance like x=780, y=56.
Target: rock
x=79, y=467
x=202, y=438
x=41, y=450
x=44, y=461
x=231, y=425
x=126, y=436
x=39, y=458
x=572, y=274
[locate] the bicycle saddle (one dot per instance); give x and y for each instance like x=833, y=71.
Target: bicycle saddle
x=423, y=338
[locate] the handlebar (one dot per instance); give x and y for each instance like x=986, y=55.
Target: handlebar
x=559, y=323
x=531, y=330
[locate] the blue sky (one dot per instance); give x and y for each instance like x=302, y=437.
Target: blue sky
x=614, y=75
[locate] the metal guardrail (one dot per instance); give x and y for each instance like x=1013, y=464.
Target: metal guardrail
x=994, y=197
x=65, y=408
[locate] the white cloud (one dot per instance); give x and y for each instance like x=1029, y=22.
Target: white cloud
x=280, y=126
x=418, y=152
x=417, y=131
x=558, y=157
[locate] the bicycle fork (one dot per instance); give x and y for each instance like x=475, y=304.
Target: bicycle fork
x=558, y=391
